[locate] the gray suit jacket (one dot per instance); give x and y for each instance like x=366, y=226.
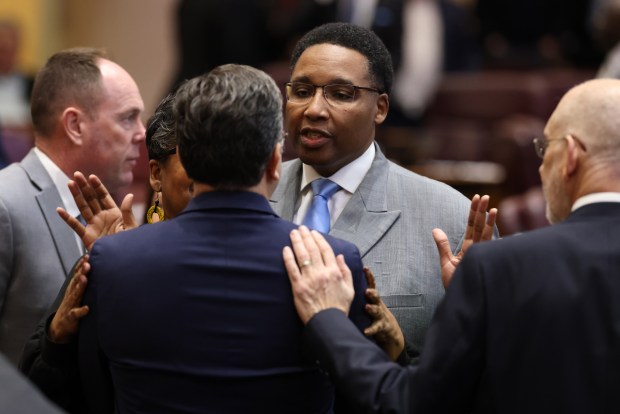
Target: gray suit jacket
x=37, y=251
x=390, y=218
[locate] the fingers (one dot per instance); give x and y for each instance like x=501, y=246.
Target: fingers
x=129, y=219
x=299, y=248
x=443, y=246
x=376, y=327
x=471, y=219
x=291, y=265
x=327, y=253
x=102, y=194
x=72, y=222
x=345, y=271
x=311, y=247
x=487, y=233
x=480, y=218
x=86, y=200
x=79, y=313
x=372, y=295
x=370, y=277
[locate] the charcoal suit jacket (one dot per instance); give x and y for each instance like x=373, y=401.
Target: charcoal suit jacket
x=529, y=324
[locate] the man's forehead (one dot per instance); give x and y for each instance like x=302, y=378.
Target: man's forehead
x=332, y=63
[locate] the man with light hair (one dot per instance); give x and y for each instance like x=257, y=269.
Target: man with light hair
x=86, y=112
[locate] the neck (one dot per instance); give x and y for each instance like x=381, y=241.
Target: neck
x=261, y=188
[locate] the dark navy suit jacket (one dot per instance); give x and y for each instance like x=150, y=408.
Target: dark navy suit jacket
x=530, y=324
x=196, y=315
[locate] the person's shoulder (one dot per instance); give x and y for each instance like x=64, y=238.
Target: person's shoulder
x=538, y=239
x=399, y=173
x=136, y=238
x=409, y=184
x=12, y=175
x=341, y=246
x=15, y=189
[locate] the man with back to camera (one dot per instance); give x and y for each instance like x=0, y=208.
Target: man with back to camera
x=338, y=94
x=86, y=115
x=530, y=323
x=195, y=313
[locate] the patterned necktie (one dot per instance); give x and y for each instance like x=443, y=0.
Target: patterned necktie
x=317, y=216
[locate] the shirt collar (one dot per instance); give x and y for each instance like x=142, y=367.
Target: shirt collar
x=348, y=177
x=608, y=197
x=60, y=180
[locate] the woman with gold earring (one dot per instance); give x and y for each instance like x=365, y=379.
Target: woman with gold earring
x=172, y=188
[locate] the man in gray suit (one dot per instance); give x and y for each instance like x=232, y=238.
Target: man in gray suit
x=86, y=114
x=339, y=92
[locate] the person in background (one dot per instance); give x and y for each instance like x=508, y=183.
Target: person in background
x=529, y=323
x=86, y=114
x=15, y=89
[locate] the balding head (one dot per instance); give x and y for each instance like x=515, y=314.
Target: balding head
x=591, y=113
x=583, y=146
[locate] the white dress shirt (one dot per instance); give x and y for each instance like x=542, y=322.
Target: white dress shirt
x=348, y=178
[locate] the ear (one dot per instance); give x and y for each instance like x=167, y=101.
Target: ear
x=383, y=105
x=155, y=175
x=72, y=123
x=274, y=165
x=572, y=157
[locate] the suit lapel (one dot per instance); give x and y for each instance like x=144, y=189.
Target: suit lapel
x=284, y=198
x=48, y=199
x=365, y=218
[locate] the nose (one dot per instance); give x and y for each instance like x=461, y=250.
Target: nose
x=140, y=135
x=317, y=106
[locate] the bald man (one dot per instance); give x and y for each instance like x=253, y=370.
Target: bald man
x=86, y=112
x=530, y=323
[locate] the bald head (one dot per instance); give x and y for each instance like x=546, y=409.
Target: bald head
x=583, y=146
x=591, y=113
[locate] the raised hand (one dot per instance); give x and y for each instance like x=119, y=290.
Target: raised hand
x=479, y=228
x=98, y=209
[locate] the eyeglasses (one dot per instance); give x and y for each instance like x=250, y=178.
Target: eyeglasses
x=541, y=144
x=335, y=94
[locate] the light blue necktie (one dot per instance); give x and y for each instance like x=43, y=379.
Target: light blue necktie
x=317, y=216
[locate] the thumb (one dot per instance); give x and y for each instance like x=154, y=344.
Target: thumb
x=128, y=218
x=443, y=245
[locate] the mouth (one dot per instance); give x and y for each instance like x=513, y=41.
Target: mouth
x=314, y=138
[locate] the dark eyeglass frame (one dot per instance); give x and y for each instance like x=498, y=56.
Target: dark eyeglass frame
x=541, y=144
x=312, y=91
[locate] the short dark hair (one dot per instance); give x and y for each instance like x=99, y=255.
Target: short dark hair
x=161, y=140
x=356, y=38
x=228, y=124
x=69, y=77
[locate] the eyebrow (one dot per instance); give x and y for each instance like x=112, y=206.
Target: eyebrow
x=333, y=81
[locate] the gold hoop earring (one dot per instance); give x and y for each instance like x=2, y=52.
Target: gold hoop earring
x=155, y=209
